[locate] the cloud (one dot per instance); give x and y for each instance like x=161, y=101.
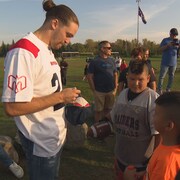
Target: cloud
x=120, y=21
x=7, y=0
x=111, y=20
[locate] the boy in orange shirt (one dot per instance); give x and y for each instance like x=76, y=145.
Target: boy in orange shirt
x=165, y=161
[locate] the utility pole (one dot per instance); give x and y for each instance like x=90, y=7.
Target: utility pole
x=138, y=22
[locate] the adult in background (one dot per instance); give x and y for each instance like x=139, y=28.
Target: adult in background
x=86, y=69
x=118, y=61
x=32, y=91
x=169, y=47
x=102, y=78
x=152, y=84
x=64, y=67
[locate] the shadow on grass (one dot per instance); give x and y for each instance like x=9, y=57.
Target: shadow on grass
x=94, y=161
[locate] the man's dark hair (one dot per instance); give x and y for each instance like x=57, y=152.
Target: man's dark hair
x=138, y=66
x=102, y=43
x=61, y=12
x=174, y=31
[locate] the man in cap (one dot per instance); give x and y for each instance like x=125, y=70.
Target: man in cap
x=169, y=47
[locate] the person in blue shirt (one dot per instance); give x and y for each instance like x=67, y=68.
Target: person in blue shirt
x=103, y=80
x=169, y=47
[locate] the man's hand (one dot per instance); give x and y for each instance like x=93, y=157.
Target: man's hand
x=69, y=95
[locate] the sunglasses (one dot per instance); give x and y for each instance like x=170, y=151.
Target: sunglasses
x=109, y=48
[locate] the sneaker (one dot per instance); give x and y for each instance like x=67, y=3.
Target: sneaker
x=16, y=170
x=168, y=90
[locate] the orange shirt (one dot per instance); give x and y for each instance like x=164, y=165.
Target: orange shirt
x=164, y=163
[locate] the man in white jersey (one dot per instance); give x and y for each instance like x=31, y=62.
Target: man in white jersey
x=32, y=91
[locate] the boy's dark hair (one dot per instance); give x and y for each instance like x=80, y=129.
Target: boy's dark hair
x=136, y=51
x=138, y=66
x=169, y=99
x=171, y=102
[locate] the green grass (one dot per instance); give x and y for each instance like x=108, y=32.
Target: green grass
x=93, y=161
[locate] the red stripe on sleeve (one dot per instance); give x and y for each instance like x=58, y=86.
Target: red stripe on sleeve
x=26, y=44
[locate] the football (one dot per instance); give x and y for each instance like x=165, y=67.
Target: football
x=100, y=130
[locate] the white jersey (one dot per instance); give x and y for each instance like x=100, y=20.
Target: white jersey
x=32, y=71
x=134, y=126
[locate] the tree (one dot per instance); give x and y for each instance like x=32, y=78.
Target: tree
x=91, y=45
x=78, y=47
x=3, y=49
x=124, y=47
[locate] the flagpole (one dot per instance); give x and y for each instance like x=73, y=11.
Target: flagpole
x=138, y=22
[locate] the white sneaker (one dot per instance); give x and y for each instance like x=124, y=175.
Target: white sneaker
x=16, y=170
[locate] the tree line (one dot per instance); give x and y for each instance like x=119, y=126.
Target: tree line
x=124, y=47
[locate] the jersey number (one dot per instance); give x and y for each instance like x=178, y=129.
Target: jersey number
x=53, y=82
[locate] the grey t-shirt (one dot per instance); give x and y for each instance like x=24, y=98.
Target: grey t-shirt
x=133, y=121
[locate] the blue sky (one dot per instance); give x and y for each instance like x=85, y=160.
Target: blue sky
x=99, y=19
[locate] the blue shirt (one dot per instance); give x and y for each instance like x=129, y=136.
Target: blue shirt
x=103, y=71
x=169, y=55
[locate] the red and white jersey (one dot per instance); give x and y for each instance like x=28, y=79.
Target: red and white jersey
x=32, y=71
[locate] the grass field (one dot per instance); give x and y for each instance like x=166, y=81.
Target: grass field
x=93, y=161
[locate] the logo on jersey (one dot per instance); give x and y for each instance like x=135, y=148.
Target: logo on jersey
x=16, y=83
x=53, y=63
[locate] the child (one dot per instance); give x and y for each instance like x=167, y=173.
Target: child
x=123, y=65
x=165, y=161
x=132, y=117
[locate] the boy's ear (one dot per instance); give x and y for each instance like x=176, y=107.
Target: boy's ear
x=148, y=78
x=170, y=125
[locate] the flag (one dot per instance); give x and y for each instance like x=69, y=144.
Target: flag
x=140, y=13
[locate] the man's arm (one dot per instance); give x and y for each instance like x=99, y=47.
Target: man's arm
x=166, y=46
x=68, y=95
x=116, y=81
x=90, y=78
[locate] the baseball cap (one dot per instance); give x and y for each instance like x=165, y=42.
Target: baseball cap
x=174, y=31
x=78, y=112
